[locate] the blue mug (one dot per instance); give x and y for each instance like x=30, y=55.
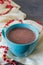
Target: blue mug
x=20, y=49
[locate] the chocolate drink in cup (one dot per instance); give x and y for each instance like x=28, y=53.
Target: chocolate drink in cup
x=21, y=35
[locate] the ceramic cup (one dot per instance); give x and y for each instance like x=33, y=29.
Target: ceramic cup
x=20, y=49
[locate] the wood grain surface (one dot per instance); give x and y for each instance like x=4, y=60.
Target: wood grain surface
x=33, y=8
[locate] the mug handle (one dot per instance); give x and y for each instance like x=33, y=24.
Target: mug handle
x=3, y=32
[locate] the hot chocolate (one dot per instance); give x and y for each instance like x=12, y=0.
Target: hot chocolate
x=21, y=35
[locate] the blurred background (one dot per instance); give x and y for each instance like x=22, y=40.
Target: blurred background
x=33, y=8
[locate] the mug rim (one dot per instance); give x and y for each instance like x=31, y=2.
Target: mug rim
x=23, y=43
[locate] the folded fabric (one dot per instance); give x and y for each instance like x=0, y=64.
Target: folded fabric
x=6, y=2
x=16, y=15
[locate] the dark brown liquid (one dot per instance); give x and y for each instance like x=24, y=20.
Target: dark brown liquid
x=21, y=35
